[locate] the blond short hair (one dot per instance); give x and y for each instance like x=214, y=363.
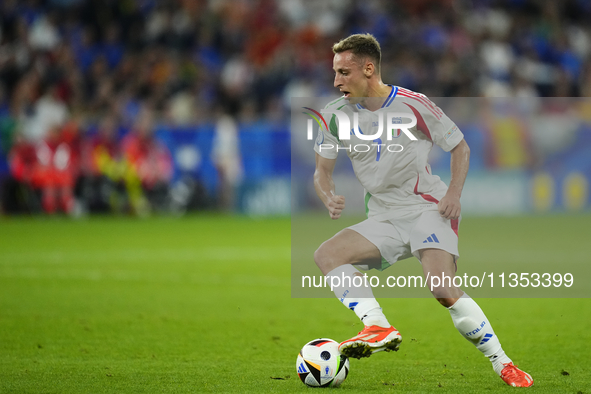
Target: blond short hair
x=362, y=46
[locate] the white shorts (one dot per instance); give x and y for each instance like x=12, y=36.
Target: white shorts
x=403, y=237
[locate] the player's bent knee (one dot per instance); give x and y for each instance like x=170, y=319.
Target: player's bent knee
x=445, y=294
x=319, y=256
x=324, y=257
x=446, y=302
x=328, y=257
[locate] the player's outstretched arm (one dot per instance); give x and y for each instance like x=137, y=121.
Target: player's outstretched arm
x=324, y=186
x=449, y=206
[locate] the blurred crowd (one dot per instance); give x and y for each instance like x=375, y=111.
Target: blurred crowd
x=74, y=73
x=73, y=174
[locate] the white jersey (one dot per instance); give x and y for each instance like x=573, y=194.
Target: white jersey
x=394, y=173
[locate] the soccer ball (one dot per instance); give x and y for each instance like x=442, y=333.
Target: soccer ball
x=320, y=364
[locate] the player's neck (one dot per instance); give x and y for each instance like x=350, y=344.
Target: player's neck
x=376, y=95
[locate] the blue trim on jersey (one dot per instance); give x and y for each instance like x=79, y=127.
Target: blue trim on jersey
x=389, y=96
x=388, y=100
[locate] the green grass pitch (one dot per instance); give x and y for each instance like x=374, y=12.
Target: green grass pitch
x=203, y=304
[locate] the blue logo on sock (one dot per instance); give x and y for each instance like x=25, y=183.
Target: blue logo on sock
x=486, y=338
x=344, y=295
x=352, y=305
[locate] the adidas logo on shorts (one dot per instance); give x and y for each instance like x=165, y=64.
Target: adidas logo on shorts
x=432, y=238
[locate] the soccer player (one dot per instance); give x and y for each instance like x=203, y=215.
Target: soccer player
x=411, y=212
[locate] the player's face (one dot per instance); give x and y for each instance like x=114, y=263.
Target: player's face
x=349, y=77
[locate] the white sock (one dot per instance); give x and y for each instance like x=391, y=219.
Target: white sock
x=358, y=298
x=472, y=323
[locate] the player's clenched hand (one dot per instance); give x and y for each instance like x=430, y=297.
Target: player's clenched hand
x=335, y=206
x=449, y=207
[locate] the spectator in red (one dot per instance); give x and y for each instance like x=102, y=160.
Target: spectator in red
x=22, y=158
x=49, y=167
x=149, y=165
x=18, y=194
x=102, y=172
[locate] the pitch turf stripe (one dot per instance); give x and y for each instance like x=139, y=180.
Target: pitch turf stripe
x=133, y=255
